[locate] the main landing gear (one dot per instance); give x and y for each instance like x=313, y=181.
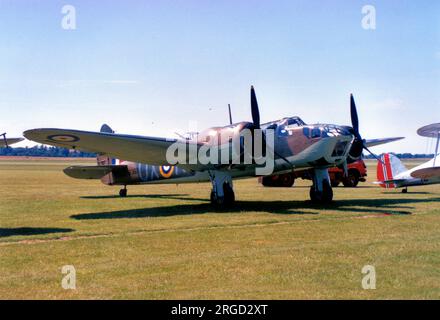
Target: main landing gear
x=321, y=191
x=405, y=190
x=222, y=193
x=123, y=192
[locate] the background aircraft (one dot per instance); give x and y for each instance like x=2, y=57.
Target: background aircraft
x=6, y=142
x=297, y=146
x=391, y=173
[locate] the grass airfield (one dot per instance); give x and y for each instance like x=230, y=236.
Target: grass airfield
x=166, y=242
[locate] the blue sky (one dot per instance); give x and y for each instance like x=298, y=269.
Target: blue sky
x=155, y=67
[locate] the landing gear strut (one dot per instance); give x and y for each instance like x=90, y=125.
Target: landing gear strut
x=123, y=192
x=222, y=193
x=321, y=191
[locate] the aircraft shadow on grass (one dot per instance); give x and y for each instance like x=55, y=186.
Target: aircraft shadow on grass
x=370, y=206
x=25, y=231
x=408, y=193
x=183, y=196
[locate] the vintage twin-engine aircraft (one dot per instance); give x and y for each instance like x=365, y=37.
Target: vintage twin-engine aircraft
x=296, y=146
x=391, y=172
x=6, y=142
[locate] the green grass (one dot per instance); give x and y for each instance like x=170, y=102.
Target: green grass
x=166, y=242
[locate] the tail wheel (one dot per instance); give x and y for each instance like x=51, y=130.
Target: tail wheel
x=123, y=193
x=351, y=180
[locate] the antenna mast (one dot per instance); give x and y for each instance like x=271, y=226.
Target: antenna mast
x=230, y=115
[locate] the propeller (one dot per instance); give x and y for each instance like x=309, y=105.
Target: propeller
x=230, y=114
x=254, y=109
x=256, y=121
x=358, y=144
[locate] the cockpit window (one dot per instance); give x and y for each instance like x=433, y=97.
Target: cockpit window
x=306, y=131
x=316, y=133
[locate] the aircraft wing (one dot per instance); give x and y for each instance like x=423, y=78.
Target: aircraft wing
x=375, y=142
x=9, y=141
x=426, y=173
x=151, y=150
x=93, y=172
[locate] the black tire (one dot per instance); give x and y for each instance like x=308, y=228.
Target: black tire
x=322, y=197
x=314, y=196
x=327, y=192
x=123, y=193
x=227, y=199
x=229, y=194
x=352, y=180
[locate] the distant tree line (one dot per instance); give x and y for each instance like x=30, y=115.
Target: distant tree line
x=44, y=151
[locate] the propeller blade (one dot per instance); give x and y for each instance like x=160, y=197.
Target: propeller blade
x=354, y=116
x=230, y=115
x=254, y=109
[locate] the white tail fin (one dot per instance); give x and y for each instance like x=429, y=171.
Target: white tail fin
x=388, y=169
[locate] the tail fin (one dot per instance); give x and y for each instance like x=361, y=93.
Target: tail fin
x=388, y=169
x=102, y=159
x=106, y=128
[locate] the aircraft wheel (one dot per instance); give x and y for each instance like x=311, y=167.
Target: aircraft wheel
x=123, y=193
x=216, y=201
x=315, y=196
x=226, y=200
x=405, y=190
x=229, y=194
x=322, y=197
x=328, y=192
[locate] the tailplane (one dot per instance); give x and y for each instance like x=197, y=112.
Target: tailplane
x=388, y=168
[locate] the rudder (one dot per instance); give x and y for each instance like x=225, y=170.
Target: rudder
x=388, y=168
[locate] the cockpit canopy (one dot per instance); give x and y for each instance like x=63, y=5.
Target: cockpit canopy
x=289, y=122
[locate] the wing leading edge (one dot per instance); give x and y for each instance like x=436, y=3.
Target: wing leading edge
x=375, y=142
